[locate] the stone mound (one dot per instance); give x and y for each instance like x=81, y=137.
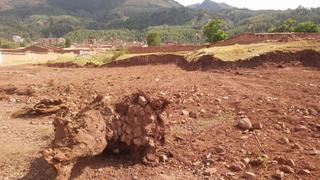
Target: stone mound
x=138, y=124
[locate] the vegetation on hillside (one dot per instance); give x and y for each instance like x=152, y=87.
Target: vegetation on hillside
x=213, y=31
x=291, y=25
x=153, y=39
x=133, y=20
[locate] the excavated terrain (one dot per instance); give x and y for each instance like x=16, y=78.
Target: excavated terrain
x=258, y=121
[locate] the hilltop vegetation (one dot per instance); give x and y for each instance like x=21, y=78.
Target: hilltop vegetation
x=132, y=19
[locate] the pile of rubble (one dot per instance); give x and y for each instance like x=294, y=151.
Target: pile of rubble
x=137, y=124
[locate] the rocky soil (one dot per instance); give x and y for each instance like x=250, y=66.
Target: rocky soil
x=224, y=124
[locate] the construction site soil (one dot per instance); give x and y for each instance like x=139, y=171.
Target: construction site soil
x=256, y=119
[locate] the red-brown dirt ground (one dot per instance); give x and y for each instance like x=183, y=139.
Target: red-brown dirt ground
x=283, y=105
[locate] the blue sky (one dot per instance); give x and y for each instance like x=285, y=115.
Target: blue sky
x=262, y=4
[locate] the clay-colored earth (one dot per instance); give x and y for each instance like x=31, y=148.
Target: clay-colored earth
x=205, y=107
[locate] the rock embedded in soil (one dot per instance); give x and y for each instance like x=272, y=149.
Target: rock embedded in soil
x=244, y=124
x=210, y=171
x=284, y=140
x=257, y=126
x=236, y=167
x=185, y=113
x=278, y=175
x=287, y=169
x=193, y=115
x=249, y=176
x=304, y=172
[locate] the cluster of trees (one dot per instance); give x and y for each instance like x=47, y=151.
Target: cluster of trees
x=178, y=34
x=291, y=25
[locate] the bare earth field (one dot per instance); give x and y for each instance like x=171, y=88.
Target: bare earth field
x=204, y=142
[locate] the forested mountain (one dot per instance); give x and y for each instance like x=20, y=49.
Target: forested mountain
x=211, y=5
x=33, y=19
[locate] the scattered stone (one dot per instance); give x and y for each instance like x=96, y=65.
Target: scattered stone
x=301, y=128
x=314, y=152
x=185, y=113
x=278, y=127
x=236, y=167
x=256, y=162
x=284, y=140
x=142, y=101
x=219, y=150
x=297, y=146
x=34, y=123
x=209, y=171
x=249, y=175
x=241, y=113
x=193, y=115
x=278, y=175
x=134, y=178
x=257, y=126
x=284, y=161
x=287, y=169
x=304, y=172
x=163, y=158
x=290, y=163
x=245, y=161
x=244, y=124
x=12, y=100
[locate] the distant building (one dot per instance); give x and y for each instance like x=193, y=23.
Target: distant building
x=17, y=39
x=51, y=41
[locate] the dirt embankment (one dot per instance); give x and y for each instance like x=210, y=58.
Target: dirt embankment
x=306, y=58
x=173, y=48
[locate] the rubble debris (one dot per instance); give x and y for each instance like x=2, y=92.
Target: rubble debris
x=138, y=125
x=44, y=107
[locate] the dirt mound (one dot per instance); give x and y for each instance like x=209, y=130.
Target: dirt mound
x=64, y=65
x=148, y=60
x=138, y=125
x=306, y=58
x=43, y=108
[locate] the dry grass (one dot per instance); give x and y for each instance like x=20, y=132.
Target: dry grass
x=240, y=52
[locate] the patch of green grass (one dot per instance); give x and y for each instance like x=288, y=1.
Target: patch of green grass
x=245, y=51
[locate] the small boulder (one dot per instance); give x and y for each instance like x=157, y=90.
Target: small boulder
x=245, y=124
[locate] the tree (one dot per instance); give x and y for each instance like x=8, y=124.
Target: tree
x=288, y=26
x=213, y=31
x=308, y=26
x=68, y=43
x=153, y=39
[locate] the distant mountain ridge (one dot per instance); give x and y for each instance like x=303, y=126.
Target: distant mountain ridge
x=212, y=6
x=55, y=18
